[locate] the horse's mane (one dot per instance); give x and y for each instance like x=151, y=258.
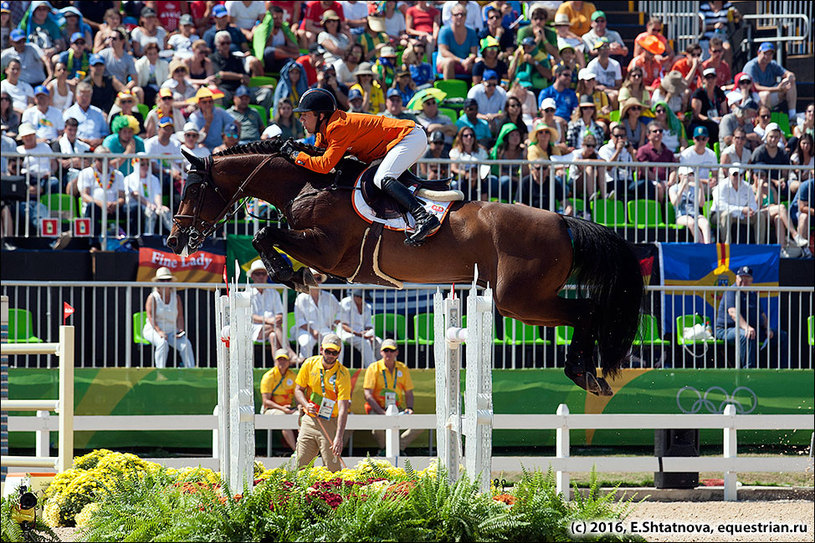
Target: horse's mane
x=267, y=147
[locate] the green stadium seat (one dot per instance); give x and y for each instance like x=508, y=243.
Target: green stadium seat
x=519, y=333
x=608, y=212
x=455, y=88
x=451, y=113
x=64, y=204
x=423, y=330
x=138, y=325
x=391, y=326
x=144, y=109
x=262, y=81
x=563, y=335
x=686, y=321
x=811, y=330
x=648, y=332
x=783, y=121
x=264, y=116
x=645, y=214
x=21, y=327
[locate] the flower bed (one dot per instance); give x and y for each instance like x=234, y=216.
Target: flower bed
x=114, y=497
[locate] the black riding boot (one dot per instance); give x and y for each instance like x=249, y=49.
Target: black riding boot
x=426, y=223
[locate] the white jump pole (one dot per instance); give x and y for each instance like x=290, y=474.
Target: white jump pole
x=236, y=407
x=476, y=423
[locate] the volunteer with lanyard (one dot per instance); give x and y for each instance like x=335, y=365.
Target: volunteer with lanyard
x=388, y=382
x=323, y=390
x=277, y=392
x=399, y=142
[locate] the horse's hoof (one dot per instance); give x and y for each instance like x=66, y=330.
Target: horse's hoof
x=304, y=276
x=584, y=380
x=605, y=388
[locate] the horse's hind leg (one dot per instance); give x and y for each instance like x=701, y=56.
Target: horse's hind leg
x=555, y=311
x=580, y=361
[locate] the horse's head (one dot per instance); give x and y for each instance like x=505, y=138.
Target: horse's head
x=200, y=208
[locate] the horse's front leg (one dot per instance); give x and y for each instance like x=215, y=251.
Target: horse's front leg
x=280, y=270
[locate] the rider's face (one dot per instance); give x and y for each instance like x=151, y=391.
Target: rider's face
x=309, y=120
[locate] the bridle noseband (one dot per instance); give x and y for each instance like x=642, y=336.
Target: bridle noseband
x=199, y=229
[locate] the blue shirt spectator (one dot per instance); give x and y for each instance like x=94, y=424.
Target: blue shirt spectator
x=92, y=125
x=767, y=77
x=421, y=74
x=220, y=118
x=462, y=50
x=565, y=99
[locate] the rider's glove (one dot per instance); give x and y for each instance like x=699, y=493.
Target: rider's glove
x=289, y=150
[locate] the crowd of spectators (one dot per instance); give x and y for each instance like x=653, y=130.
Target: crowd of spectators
x=545, y=81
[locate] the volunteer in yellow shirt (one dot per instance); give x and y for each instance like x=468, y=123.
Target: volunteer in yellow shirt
x=277, y=392
x=388, y=380
x=323, y=389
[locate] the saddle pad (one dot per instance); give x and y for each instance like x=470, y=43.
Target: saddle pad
x=364, y=210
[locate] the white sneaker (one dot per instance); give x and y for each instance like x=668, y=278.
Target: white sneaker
x=800, y=240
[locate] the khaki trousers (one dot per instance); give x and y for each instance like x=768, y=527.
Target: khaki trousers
x=312, y=441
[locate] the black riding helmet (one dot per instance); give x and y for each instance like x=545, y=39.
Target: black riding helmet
x=317, y=100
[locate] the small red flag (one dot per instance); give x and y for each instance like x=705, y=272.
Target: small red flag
x=67, y=311
x=226, y=281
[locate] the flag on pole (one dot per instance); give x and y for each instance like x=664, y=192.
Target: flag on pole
x=226, y=281
x=67, y=311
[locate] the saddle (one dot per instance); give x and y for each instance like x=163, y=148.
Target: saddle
x=383, y=206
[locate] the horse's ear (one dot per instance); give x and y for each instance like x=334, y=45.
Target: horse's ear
x=196, y=162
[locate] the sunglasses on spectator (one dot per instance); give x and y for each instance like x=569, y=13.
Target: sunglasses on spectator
x=745, y=82
x=636, y=75
x=656, y=131
x=700, y=138
x=467, y=136
x=330, y=352
x=566, y=74
x=710, y=76
x=589, y=145
x=490, y=85
x=206, y=101
x=716, y=51
x=458, y=14
x=635, y=108
x=739, y=137
x=765, y=116
x=80, y=42
x=388, y=350
x=618, y=135
x=660, y=110
x=114, y=38
x=600, y=20
x=492, y=17
x=513, y=105
x=429, y=103
x=549, y=109
x=6, y=98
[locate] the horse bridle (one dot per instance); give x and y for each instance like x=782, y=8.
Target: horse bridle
x=199, y=229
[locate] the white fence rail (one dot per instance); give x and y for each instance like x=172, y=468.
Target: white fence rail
x=562, y=423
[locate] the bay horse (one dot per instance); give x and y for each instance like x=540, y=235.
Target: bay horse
x=526, y=254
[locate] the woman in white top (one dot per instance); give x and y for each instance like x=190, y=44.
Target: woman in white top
x=164, y=326
x=346, y=67
x=333, y=41
x=688, y=202
x=62, y=96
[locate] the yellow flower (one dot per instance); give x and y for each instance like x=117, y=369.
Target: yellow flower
x=85, y=515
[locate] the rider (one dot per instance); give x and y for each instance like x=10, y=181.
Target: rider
x=400, y=143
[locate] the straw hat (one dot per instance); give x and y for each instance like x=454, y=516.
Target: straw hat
x=561, y=19
x=364, y=68
x=376, y=23
x=164, y=274
x=628, y=104
x=329, y=15
x=542, y=126
x=674, y=82
x=651, y=43
x=257, y=265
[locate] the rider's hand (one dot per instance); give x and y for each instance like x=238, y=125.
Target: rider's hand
x=289, y=150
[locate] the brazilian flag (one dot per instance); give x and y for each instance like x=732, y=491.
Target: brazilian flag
x=240, y=248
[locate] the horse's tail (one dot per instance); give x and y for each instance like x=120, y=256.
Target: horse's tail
x=606, y=270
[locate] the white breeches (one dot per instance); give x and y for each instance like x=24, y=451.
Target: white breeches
x=402, y=156
x=162, y=348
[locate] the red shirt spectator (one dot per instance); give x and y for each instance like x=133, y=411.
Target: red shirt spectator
x=423, y=19
x=315, y=10
x=311, y=72
x=683, y=66
x=169, y=13
x=647, y=153
x=651, y=69
x=288, y=8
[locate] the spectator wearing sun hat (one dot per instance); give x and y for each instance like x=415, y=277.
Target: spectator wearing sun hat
x=490, y=50
x=599, y=29
x=653, y=28
x=164, y=325
x=373, y=99
x=649, y=60
x=277, y=391
x=164, y=108
x=126, y=105
x=46, y=119
x=568, y=39
x=773, y=82
x=210, y=120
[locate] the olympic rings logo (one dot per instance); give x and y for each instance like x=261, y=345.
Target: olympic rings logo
x=691, y=401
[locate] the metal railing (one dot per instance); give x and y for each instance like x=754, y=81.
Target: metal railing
x=569, y=188
x=798, y=15
x=106, y=337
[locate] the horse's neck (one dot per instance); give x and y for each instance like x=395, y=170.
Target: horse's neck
x=278, y=182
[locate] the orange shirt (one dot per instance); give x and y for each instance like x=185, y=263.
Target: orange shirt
x=580, y=19
x=368, y=137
